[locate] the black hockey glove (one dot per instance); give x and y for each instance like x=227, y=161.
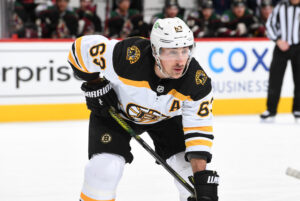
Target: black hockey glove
x=100, y=96
x=206, y=186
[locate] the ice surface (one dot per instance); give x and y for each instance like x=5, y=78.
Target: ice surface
x=45, y=162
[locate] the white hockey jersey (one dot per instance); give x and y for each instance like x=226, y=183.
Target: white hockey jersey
x=144, y=97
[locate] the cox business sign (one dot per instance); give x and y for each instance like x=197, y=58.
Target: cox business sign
x=239, y=69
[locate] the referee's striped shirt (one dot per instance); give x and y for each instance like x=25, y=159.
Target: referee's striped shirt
x=284, y=23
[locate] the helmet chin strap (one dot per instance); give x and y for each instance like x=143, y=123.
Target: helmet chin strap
x=160, y=68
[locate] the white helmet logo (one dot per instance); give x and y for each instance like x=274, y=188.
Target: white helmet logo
x=178, y=29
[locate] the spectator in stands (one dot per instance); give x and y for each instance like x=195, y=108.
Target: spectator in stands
x=125, y=22
x=89, y=22
x=205, y=22
x=24, y=19
x=59, y=21
x=170, y=10
x=265, y=9
x=238, y=21
x=255, y=5
x=221, y=6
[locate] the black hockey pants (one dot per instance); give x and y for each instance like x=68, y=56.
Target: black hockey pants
x=277, y=70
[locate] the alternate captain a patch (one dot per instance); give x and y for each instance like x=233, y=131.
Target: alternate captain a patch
x=200, y=77
x=133, y=54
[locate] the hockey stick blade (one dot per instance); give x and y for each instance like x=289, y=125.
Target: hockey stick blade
x=293, y=172
x=162, y=162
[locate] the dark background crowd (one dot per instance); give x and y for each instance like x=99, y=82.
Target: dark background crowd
x=211, y=18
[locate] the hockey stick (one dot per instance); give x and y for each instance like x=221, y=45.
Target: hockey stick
x=293, y=172
x=126, y=127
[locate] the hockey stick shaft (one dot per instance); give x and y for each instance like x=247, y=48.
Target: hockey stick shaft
x=293, y=172
x=126, y=127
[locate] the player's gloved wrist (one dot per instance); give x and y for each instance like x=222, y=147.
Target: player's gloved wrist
x=100, y=96
x=191, y=199
x=206, y=185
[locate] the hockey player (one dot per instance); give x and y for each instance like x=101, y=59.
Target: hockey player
x=158, y=87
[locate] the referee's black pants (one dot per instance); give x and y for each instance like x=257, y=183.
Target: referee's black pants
x=277, y=70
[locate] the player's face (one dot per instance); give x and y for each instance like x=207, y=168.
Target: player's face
x=62, y=5
x=266, y=11
x=239, y=10
x=174, y=60
x=85, y=4
x=207, y=12
x=124, y=5
x=172, y=11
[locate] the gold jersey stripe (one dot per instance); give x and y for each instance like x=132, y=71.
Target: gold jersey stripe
x=201, y=128
x=135, y=83
x=198, y=142
x=179, y=95
x=86, y=198
x=78, y=52
x=71, y=59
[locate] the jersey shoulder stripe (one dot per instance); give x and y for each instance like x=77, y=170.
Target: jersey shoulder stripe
x=179, y=95
x=91, y=55
x=134, y=83
x=72, y=60
x=78, y=53
x=87, y=76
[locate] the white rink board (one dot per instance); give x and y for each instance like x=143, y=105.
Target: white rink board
x=38, y=72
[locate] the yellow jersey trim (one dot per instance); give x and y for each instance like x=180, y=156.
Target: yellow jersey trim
x=86, y=198
x=201, y=128
x=179, y=95
x=78, y=52
x=198, y=143
x=135, y=83
x=71, y=59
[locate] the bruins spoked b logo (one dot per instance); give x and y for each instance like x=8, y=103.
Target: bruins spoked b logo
x=200, y=77
x=106, y=138
x=133, y=54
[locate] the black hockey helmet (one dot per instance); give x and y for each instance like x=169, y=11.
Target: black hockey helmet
x=265, y=3
x=207, y=4
x=235, y=3
x=169, y=3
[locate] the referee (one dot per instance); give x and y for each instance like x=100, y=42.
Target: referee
x=283, y=27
